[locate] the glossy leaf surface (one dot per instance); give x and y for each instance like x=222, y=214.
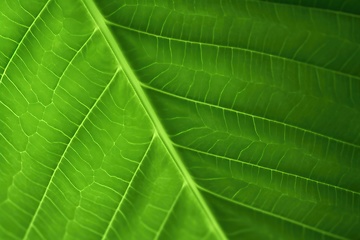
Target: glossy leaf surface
x=179, y=119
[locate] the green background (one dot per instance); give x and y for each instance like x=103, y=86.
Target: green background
x=179, y=119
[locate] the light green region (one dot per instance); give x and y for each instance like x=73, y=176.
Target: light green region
x=179, y=119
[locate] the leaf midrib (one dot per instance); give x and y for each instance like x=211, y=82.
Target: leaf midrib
x=164, y=138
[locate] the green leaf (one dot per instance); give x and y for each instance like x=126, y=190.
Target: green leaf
x=212, y=119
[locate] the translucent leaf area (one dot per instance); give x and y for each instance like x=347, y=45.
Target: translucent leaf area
x=179, y=119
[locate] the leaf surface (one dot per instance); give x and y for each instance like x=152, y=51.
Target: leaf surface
x=179, y=119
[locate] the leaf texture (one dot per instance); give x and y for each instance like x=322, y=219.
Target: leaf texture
x=211, y=119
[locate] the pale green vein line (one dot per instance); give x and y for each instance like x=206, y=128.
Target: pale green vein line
x=6, y=233
x=38, y=232
x=123, y=197
x=251, y=115
x=238, y=49
x=22, y=40
x=316, y=9
x=158, y=234
x=31, y=225
x=267, y=168
x=135, y=83
x=88, y=229
x=326, y=233
x=69, y=63
x=9, y=142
